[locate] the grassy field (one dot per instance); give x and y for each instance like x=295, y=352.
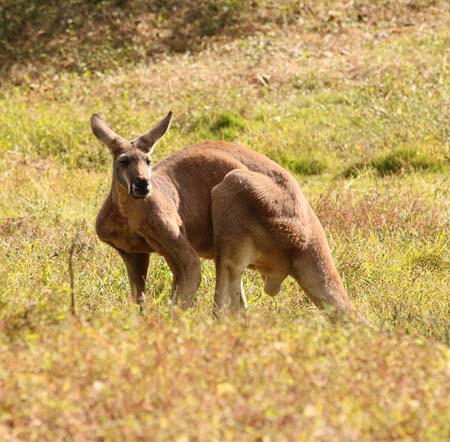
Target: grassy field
x=352, y=97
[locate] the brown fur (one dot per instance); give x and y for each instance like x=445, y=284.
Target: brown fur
x=220, y=201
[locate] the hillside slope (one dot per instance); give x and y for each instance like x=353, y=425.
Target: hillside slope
x=351, y=96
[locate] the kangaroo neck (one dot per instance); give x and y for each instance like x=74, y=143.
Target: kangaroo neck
x=121, y=198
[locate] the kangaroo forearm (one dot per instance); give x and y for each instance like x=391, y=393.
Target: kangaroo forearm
x=187, y=279
x=137, y=266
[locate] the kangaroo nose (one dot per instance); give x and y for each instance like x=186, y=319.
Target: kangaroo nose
x=141, y=184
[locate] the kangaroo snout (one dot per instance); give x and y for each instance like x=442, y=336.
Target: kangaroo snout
x=140, y=187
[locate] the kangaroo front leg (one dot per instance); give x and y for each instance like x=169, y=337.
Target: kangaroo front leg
x=137, y=266
x=185, y=267
x=184, y=263
x=186, y=278
x=181, y=257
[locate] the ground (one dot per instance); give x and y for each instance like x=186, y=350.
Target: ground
x=353, y=99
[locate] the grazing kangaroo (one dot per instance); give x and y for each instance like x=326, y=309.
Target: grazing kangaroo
x=219, y=201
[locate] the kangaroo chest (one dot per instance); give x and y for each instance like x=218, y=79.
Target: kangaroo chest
x=114, y=229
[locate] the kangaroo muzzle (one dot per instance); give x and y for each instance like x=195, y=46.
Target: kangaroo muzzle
x=140, y=187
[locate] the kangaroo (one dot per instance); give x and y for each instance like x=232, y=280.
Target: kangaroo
x=214, y=200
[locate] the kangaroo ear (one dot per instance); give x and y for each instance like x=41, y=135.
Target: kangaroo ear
x=147, y=142
x=104, y=133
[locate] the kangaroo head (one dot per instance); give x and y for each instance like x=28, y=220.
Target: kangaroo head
x=131, y=159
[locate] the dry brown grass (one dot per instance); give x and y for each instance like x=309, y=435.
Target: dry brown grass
x=277, y=61
x=133, y=33
x=173, y=379
x=387, y=207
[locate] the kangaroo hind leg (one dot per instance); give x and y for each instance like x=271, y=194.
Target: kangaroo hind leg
x=316, y=274
x=229, y=295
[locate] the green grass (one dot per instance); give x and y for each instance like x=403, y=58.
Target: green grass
x=360, y=119
x=399, y=161
x=405, y=160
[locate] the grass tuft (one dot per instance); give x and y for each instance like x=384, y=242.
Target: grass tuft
x=226, y=125
x=397, y=162
x=405, y=160
x=305, y=166
x=227, y=120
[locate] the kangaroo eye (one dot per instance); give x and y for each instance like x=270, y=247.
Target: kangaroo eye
x=124, y=162
x=148, y=161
